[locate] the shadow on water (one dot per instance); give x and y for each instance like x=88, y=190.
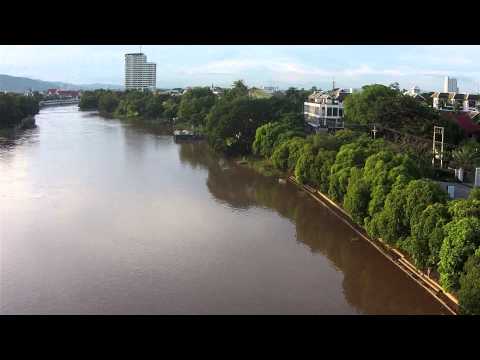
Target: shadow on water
x=10, y=138
x=371, y=283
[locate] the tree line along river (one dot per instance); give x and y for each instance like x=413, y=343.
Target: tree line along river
x=100, y=216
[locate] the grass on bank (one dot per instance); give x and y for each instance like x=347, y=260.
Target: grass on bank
x=262, y=166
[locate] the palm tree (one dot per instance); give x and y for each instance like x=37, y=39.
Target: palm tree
x=466, y=157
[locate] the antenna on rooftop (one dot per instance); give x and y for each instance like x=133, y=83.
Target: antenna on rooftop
x=333, y=84
x=140, y=49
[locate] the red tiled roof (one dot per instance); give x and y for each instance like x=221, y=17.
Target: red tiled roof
x=467, y=124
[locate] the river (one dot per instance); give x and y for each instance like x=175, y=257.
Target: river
x=100, y=216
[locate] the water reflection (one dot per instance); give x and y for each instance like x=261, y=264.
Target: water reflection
x=371, y=283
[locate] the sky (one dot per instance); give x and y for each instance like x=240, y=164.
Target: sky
x=258, y=65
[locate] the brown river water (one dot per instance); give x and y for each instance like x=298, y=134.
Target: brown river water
x=99, y=216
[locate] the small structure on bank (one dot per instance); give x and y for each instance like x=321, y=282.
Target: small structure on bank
x=186, y=135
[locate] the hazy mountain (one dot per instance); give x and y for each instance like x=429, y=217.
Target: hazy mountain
x=20, y=84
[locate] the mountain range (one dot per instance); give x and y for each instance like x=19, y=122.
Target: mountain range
x=21, y=84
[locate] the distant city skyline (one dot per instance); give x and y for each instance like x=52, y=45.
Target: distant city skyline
x=279, y=66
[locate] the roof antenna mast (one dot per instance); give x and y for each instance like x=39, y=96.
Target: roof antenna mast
x=140, y=49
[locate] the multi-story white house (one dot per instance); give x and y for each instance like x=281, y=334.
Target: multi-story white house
x=324, y=109
x=139, y=74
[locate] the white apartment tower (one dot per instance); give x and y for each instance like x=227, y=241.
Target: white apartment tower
x=450, y=85
x=139, y=74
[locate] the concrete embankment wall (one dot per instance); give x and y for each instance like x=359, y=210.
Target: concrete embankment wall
x=449, y=301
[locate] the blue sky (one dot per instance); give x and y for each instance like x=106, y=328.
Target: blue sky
x=283, y=66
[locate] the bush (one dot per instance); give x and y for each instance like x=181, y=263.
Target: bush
x=474, y=194
x=462, y=208
x=461, y=240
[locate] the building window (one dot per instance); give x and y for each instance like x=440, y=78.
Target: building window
x=329, y=111
x=335, y=111
x=340, y=112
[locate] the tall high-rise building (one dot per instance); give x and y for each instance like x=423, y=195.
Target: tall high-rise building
x=450, y=85
x=139, y=74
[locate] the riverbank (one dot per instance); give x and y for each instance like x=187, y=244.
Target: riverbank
x=449, y=301
x=398, y=258
x=26, y=123
x=262, y=166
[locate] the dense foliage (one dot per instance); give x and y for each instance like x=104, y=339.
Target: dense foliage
x=195, y=105
x=14, y=108
x=387, y=107
x=462, y=238
x=232, y=123
x=130, y=104
x=469, y=294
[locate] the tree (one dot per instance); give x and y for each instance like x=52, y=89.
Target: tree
x=427, y=235
x=391, y=109
x=154, y=107
x=88, y=100
x=420, y=194
x=469, y=293
x=361, y=107
x=304, y=164
x=350, y=155
x=108, y=103
x=468, y=156
x=14, y=108
x=285, y=155
x=195, y=105
x=270, y=135
x=322, y=165
x=170, y=108
x=357, y=196
x=391, y=224
x=231, y=124
x=461, y=240
x=239, y=89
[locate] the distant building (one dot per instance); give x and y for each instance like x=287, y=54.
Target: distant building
x=451, y=101
x=324, y=109
x=139, y=74
x=63, y=93
x=270, y=89
x=66, y=94
x=415, y=93
x=450, y=85
x=217, y=90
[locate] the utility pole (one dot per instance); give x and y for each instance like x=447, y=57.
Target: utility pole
x=438, y=137
x=374, y=131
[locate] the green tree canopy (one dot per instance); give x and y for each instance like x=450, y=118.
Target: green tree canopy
x=195, y=105
x=461, y=240
x=469, y=294
x=427, y=235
